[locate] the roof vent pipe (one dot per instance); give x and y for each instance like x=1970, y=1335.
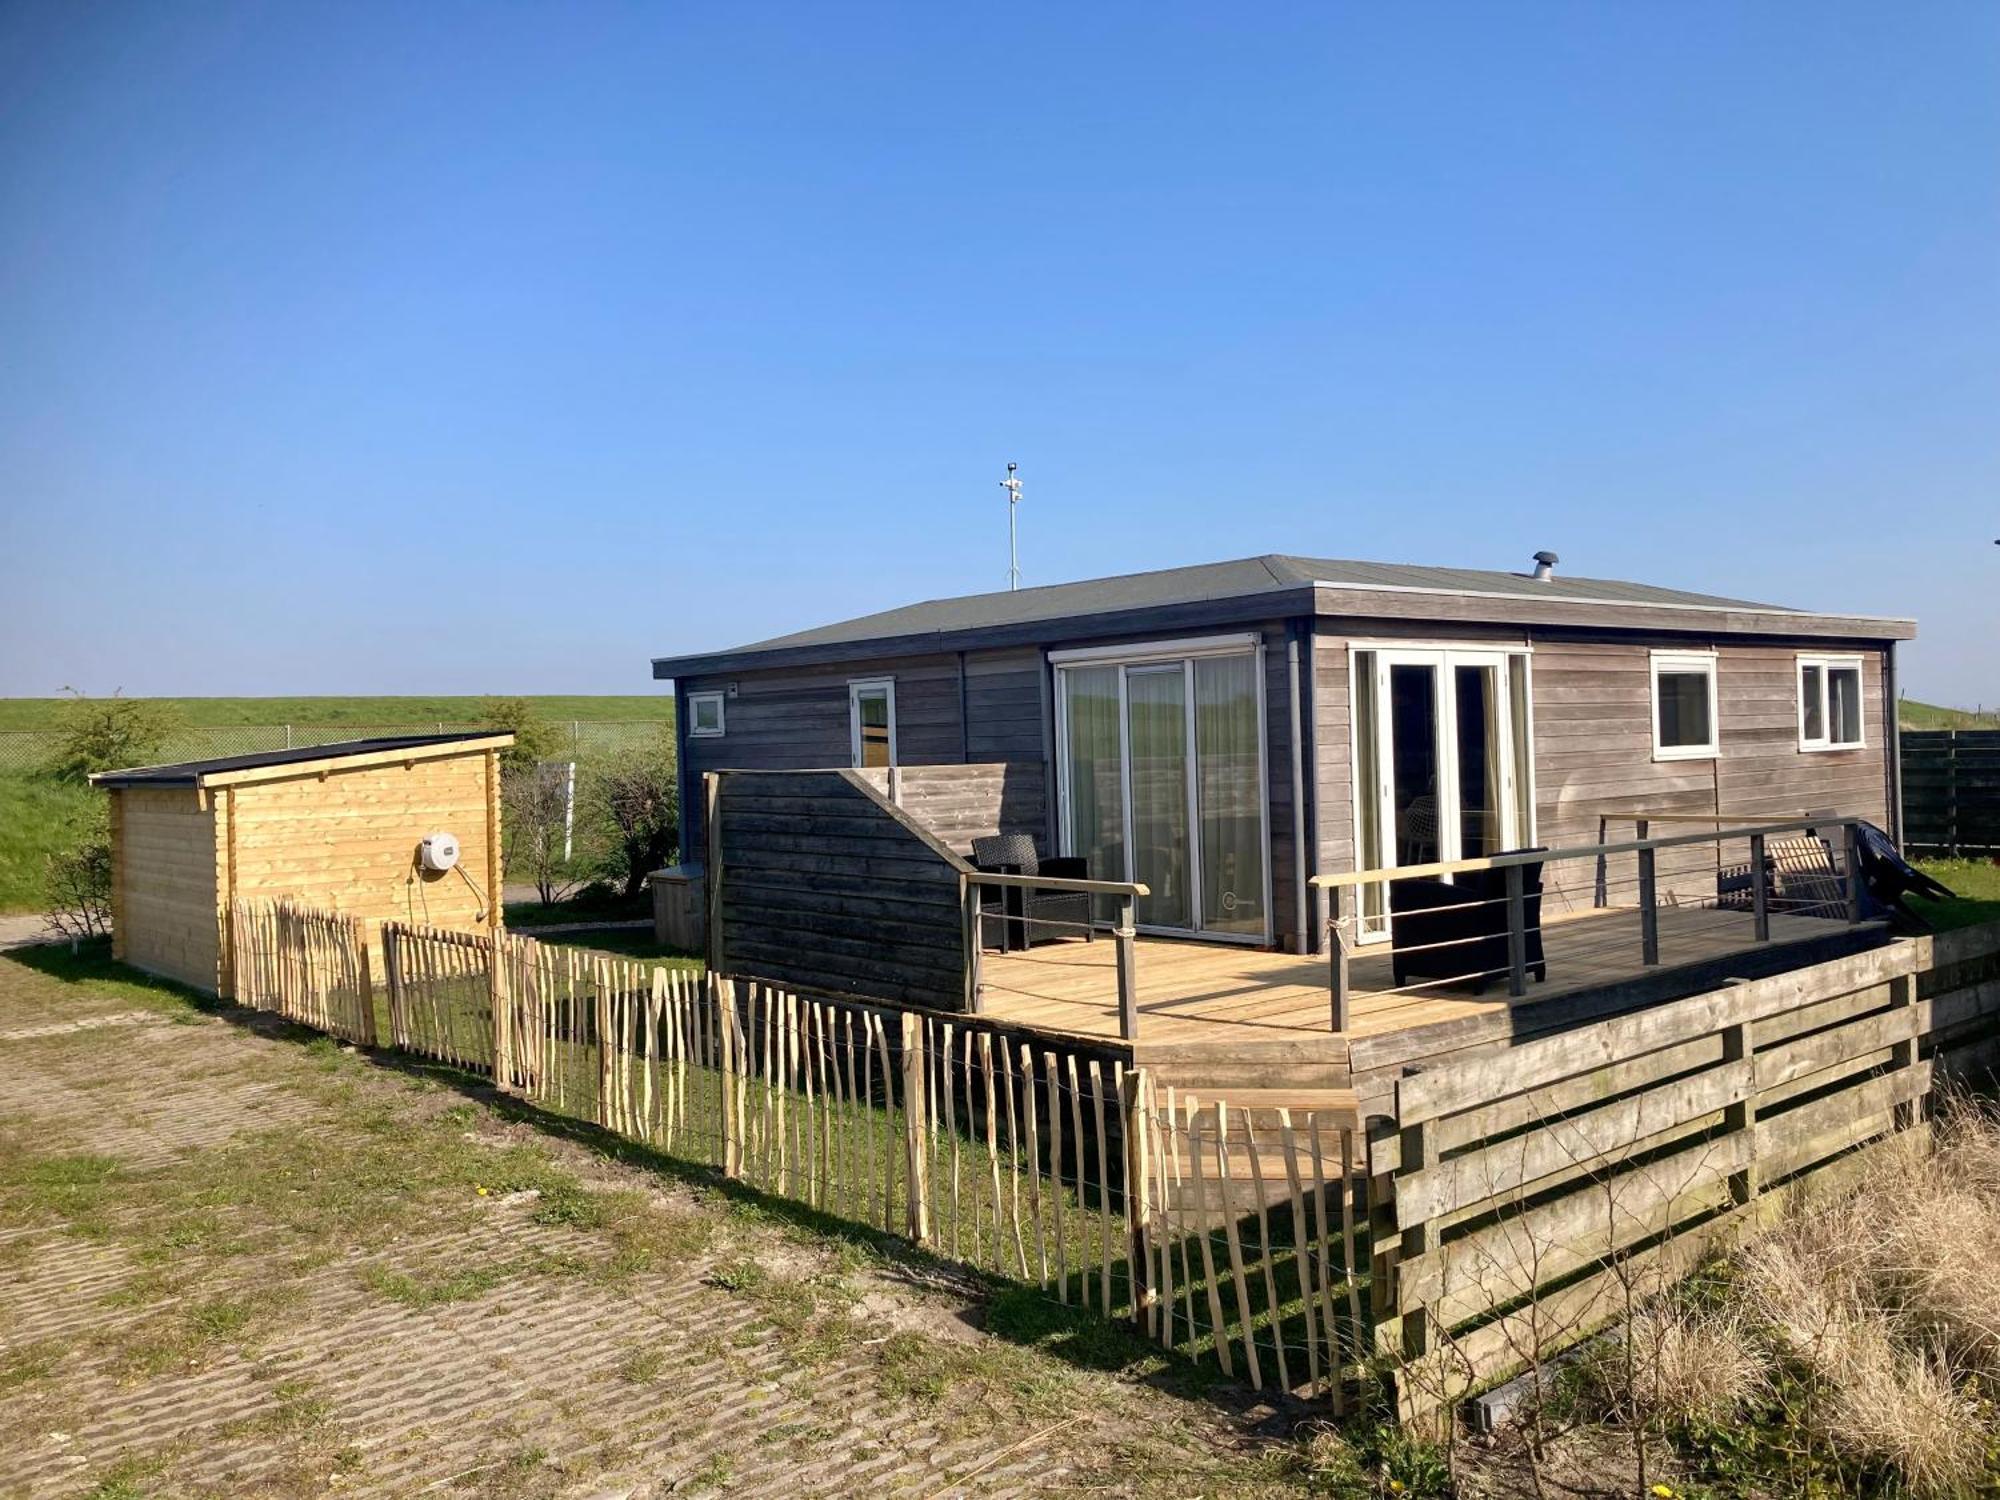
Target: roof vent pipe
x=1545, y=566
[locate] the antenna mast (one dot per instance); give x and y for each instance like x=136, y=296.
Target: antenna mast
x=1012, y=485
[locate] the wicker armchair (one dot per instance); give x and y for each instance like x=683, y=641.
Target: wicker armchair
x=1032, y=916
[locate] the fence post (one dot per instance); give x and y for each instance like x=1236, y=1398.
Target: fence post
x=1760, y=890
x=1138, y=1124
x=1853, y=852
x=1649, y=911
x=1128, y=973
x=723, y=993
x=497, y=1002
x=916, y=1112
x=974, y=935
x=1517, y=932
x=369, y=1034
x=1336, y=955
x=1741, y=1117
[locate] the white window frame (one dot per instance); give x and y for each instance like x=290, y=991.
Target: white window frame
x=856, y=686
x=1686, y=661
x=695, y=703
x=1827, y=666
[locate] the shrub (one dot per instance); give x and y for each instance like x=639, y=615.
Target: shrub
x=79, y=887
x=536, y=739
x=634, y=801
x=106, y=734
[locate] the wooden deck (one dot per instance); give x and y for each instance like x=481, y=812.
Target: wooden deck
x=1193, y=993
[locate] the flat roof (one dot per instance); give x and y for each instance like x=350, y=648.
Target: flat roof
x=1368, y=589
x=235, y=767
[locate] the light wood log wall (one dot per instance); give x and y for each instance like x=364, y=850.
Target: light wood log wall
x=169, y=920
x=349, y=841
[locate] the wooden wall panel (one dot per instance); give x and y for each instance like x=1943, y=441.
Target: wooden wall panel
x=166, y=874
x=349, y=841
x=822, y=887
x=1594, y=747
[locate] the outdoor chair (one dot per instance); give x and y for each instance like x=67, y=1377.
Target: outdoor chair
x=1457, y=931
x=1032, y=916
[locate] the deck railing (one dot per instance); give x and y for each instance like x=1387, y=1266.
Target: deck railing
x=1016, y=916
x=1787, y=867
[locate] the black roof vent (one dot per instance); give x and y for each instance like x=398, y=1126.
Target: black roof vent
x=1545, y=566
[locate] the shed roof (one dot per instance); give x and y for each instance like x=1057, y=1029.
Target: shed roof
x=1253, y=580
x=259, y=763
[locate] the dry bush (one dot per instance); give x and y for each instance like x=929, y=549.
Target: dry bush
x=1888, y=1300
x=1689, y=1367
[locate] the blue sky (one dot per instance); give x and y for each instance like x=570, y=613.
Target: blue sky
x=470, y=348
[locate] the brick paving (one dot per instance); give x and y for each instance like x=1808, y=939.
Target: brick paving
x=663, y=1382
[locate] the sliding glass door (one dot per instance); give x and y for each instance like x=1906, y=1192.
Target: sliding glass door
x=1162, y=782
x=1442, y=760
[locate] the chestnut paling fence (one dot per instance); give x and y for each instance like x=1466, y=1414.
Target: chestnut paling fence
x=1510, y=1206
x=1225, y=1234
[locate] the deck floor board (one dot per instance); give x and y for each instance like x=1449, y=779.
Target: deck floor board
x=1200, y=992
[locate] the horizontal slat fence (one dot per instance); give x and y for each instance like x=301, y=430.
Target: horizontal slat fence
x=1528, y=1197
x=1951, y=791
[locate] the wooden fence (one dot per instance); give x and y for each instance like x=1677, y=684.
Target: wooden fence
x=306, y=965
x=1516, y=1201
x=1951, y=791
x=1527, y=1197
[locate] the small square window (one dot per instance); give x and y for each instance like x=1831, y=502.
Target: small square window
x=1830, y=703
x=704, y=716
x=1684, y=710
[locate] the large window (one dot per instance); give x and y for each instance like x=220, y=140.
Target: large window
x=1684, y=705
x=1161, y=774
x=1830, y=703
x=871, y=711
x=704, y=715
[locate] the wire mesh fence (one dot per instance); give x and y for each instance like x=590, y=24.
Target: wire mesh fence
x=24, y=751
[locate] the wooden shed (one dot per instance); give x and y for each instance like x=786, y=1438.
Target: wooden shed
x=336, y=826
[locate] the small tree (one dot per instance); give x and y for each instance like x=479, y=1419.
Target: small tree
x=536, y=739
x=635, y=800
x=536, y=800
x=104, y=734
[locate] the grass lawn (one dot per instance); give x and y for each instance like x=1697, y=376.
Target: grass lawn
x=40, y=713
x=1977, y=883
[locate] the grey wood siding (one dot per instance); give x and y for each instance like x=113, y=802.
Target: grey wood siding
x=824, y=886
x=797, y=719
x=1594, y=744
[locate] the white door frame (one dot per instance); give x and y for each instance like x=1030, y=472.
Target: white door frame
x=1162, y=654
x=856, y=686
x=1442, y=660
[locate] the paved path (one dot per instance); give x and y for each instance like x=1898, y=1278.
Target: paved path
x=234, y=1262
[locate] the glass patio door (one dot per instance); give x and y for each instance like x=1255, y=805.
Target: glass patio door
x=1162, y=782
x=1442, y=757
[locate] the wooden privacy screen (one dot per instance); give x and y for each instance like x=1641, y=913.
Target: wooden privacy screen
x=817, y=881
x=1528, y=1197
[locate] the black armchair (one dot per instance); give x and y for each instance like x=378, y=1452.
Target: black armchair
x=1032, y=916
x=1458, y=930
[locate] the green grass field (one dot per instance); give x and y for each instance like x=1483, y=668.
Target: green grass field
x=1915, y=715
x=40, y=713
